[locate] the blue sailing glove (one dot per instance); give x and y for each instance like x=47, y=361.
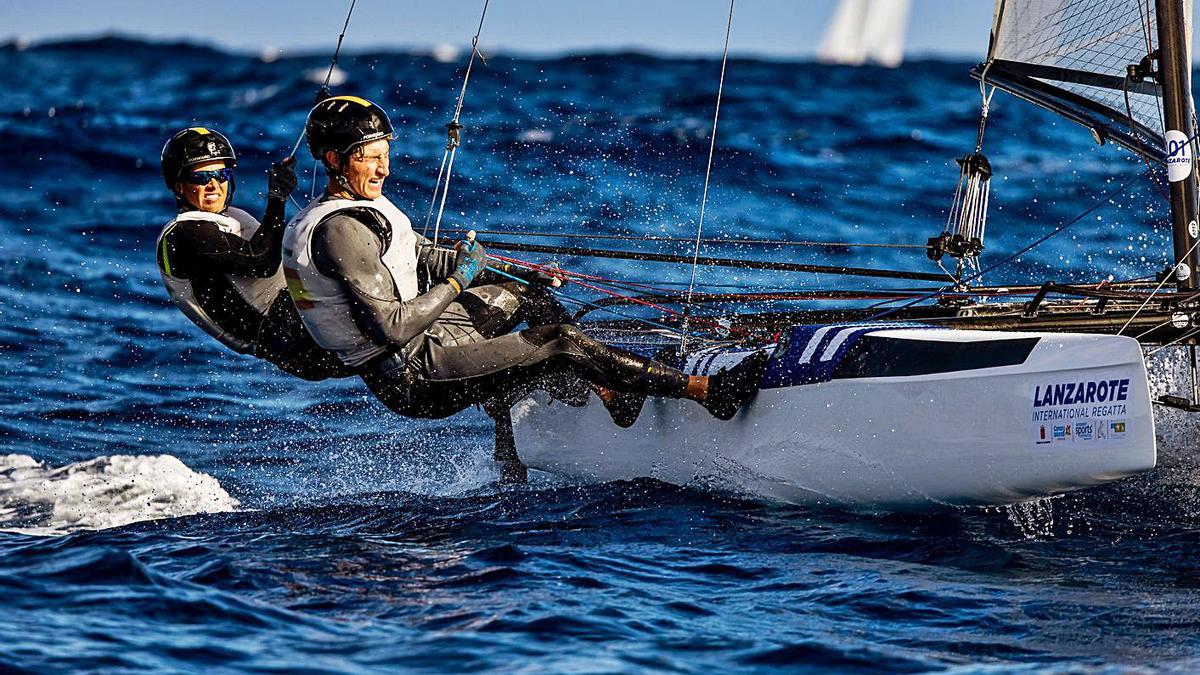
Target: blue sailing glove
x=468, y=262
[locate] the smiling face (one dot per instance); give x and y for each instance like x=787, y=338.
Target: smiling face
x=208, y=197
x=365, y=169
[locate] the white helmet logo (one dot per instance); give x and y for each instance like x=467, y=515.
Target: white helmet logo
x=212, y=148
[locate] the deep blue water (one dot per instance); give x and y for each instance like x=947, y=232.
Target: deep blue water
x=366, y=542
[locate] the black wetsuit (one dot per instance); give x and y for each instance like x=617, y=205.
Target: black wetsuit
x=457, y=348
x=200, y=252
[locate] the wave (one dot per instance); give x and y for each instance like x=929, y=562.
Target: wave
x=103, y=492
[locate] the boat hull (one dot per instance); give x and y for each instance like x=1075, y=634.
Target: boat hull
x=1075, y=412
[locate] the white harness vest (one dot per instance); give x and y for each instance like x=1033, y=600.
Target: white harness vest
x=258, y=292
x=322, y=302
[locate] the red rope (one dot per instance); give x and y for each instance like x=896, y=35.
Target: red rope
x=591, y=277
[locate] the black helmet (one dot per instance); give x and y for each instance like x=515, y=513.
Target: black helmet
x=192, y=146
x=342, y=122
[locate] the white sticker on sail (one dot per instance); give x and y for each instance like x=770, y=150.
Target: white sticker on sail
x=1179, y=156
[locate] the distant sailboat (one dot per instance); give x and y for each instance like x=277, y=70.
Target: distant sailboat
x=866, y=30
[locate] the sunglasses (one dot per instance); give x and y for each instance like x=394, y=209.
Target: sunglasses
x=203, y=177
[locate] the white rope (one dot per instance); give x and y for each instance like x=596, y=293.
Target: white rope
x=433, y=199
x=1166, y=278
x=1172, y=343
x=712, y=145
x=452, y=137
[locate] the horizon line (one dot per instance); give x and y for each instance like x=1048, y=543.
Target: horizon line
x=272, y=52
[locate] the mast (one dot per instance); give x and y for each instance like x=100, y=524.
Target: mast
x=1175, y=75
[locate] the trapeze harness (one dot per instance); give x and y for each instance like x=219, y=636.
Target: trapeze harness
x=243, y=306
x=457, y=349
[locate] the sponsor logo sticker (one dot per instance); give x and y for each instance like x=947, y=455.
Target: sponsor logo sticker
x=1083, y=431
x=1092, y=412
x=1179, y=156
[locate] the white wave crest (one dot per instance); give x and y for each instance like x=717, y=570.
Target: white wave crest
x=104, y=492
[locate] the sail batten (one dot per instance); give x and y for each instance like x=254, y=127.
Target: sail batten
x=1075, y=57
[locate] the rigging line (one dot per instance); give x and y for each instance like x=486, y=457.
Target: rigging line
x=707, y=240
x=433, y=199
x=1141, y=151
x=625, y=286
x=1165, y=279
x=323, y=92
x=666, y=310
x=299, y=140
x=338, y=48
x=593, y=305
x=1181, y=338
x=633, y=299
x=1150, y=330
x=1104, y=199
x=445, y=192
x=453, y=138
x=1147, y=31
x=719, y=262
x=712, y=146
x=646, y=303
x=1144, y=19
x=462, y=94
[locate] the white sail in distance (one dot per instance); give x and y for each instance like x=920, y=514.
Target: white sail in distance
x=864, y=31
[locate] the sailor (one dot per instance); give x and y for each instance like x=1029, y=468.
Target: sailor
x=222, y=267
x=353, y=262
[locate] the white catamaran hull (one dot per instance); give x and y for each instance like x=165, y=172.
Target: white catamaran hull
x=1070, y=412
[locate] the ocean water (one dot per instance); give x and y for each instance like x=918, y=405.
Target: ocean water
x=166, y=505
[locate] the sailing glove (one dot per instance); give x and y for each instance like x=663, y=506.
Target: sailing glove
x=281, y=179
x=469, y=262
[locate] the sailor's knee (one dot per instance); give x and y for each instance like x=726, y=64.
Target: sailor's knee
x=566, y=331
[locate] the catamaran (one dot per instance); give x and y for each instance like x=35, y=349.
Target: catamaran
x=961, y=393
x=964, y=394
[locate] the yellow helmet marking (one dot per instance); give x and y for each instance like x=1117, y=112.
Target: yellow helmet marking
x=361, y=101
x=200, y=130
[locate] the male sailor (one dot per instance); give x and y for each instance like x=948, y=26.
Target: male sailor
x=352, y=262
x=222, y=267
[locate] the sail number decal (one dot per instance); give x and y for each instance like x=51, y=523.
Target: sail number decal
x=1089, y=411
x=1179, y=156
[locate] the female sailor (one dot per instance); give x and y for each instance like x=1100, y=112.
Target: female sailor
x=222, y=267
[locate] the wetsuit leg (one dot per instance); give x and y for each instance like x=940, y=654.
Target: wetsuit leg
x=518, y=359
x=283, y=340
x=497, y=309
x=451, y=378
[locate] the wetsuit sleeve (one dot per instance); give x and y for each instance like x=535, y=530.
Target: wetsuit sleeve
x=257, y=256
x=273, y=221
x=350, y=251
